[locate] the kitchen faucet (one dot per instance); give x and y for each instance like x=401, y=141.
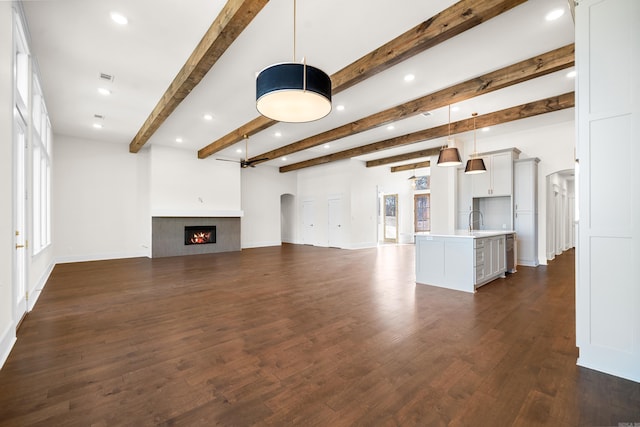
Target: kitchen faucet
x=471, y=222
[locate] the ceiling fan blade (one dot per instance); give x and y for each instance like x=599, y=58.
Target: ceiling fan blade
x=228, y=160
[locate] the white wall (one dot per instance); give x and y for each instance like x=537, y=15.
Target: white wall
x=180, y=182
x=443, y=198
x=359, y=187
x=104, y=196
x=553, y=144
x=319, y=184
x=262, y=187
x=100, y=200
x=7, y=328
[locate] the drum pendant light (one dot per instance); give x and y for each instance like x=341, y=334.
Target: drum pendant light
x=475, y=164
x=293, y=92
x=449, y=155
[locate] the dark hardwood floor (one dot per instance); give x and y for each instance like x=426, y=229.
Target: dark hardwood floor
x=302, y=335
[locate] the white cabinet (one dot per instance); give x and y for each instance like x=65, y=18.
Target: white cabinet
x=525, y=204
x=498, y=180
x=490, y=259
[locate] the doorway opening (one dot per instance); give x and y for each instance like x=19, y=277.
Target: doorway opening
x=390, y=219
x=287, y=218
x=422, y=212
x=560, y=213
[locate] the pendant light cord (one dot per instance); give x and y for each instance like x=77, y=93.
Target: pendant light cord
x=475, y=149
x=304, y=60
x=449, y=129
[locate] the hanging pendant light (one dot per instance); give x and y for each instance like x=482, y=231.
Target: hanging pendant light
x=293, y=92
x=449, y=155
x=475, y=164
x=413, y=175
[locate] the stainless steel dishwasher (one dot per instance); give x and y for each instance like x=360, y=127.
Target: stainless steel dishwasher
x=510, y=255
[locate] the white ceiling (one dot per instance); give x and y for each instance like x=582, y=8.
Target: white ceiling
x=76, y=40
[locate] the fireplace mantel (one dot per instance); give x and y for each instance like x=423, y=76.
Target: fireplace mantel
x=172, y=213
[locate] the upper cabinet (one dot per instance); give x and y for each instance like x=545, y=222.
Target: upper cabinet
x=498, y=181
x=525, y=183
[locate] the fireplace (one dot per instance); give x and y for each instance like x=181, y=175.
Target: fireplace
x=171, y=235
x=199, y=234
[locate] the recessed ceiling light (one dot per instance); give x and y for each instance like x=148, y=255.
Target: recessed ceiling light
x=239, y=150
x=571, y=74
x=103, y=91
x=486, y=129
x=554, y=14
x=391, y=127
x=455, y=108
x=97, y=126
x=208, y=117
x=119, y=18
x=426, y=113
x=409, y=78
x=326, y=146
x=179, y=140
x=277, y=134
x=284, y=159
x=340, y=107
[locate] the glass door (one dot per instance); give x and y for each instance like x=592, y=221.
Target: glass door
x=20, y=240
x=391, y=218
x=421, y=212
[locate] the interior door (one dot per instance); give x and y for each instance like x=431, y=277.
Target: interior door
x=391, y=218
x=335, y=223
x=20, y=241
x=308, y=217
x=421, y=213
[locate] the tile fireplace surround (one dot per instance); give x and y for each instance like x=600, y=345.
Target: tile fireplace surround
x=167, y=235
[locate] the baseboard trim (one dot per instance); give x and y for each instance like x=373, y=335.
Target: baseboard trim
x=617, y=368
x=34, y=294
x=7, y=341
x=101, y=257
x=260, y=244
x=363, y=245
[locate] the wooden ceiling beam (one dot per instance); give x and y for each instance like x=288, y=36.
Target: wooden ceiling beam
x=528, y=69
x=406, y=156
x=411, y=166
x=234, y=17
x=452, y=21
x=548, y=105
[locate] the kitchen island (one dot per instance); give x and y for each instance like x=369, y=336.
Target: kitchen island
x=462, y=260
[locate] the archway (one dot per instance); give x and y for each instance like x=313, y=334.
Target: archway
x=560, y=212
x=287, y=218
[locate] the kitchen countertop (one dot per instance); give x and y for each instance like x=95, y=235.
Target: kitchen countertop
x=467, y=234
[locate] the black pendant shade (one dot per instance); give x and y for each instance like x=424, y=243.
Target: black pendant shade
x=474, y=166
x=293, y=92
x=449, y=157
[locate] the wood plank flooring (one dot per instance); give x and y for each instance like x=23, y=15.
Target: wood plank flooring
x=300, y=335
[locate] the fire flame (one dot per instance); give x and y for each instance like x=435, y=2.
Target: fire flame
x=201, y=237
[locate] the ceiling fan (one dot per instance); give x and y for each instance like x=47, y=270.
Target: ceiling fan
x=246, y=162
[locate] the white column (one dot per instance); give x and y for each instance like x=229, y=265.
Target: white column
x=608, y=267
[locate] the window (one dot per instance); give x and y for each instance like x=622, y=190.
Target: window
x=21, y=69
x=41, y=142
x=422, y=212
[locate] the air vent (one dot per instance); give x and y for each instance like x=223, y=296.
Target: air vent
x=98, y=116
x=106, y=77
x=426, y=113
